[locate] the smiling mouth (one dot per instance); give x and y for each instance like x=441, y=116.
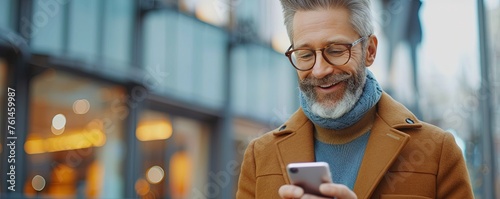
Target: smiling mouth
x=325, y=86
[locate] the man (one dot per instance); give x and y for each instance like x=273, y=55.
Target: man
x=376, y=148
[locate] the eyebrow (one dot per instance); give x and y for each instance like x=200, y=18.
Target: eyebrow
x=328, y=42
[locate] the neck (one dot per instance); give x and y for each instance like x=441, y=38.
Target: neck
x=346, y=135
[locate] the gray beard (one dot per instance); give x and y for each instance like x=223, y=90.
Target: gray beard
x=328, y=108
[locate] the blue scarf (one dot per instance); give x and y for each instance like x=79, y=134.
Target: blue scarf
x=370, y=96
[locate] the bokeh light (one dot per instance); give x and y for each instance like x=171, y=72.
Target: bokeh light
x=38, y=183
x=155, y=174
x=56, y=131
x=81, y=106
x=142, y=187
x=59, y=121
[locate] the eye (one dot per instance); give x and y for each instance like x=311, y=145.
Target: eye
x=304, y=54
x=335, y=50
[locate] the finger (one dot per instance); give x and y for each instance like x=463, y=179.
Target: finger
x=309, y=196
x=338, y=191
x=290, y=191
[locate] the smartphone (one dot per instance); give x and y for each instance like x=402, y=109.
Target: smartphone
x=309, y=175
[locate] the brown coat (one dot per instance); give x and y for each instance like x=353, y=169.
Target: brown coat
x=404, y=158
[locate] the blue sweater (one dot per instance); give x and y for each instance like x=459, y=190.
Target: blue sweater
x=344, y=159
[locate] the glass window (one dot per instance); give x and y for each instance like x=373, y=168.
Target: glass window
x=260, y=80
x=185, y=58
x=252, y=96
x=75, y=142
x=285, y=86
x=215, y=12
x=186, y=49
x=45, y=29
x=239, y=79
x=174, y=152
x=160, y=56
x=6, y=14
x=210, y=47
x=83, y=28
x=118, y=16
x=246, y=87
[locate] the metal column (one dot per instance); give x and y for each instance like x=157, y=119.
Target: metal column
x=488, y=159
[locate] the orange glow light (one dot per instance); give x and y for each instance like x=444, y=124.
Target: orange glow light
x=70, y=141
x=142, y=187
x=154, y=130
x=180, y=174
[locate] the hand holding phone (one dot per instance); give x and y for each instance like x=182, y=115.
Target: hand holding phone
x=309, y=175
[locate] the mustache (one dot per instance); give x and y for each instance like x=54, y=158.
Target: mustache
x=310, y=81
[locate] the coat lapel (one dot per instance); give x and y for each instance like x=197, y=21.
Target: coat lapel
x=384, y=145
x=298, y=145
x=381, y=151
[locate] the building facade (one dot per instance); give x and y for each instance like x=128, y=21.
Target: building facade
x=159, y=98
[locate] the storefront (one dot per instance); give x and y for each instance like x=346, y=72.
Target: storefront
x=93, y=137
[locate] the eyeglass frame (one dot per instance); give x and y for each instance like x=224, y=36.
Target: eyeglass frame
x=289, y=52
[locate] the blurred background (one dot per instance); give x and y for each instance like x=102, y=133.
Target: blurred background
x=159, y=98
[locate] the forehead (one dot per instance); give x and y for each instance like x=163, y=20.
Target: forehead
x=317, y=27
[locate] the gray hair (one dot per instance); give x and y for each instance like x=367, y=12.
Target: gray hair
x=361, y=16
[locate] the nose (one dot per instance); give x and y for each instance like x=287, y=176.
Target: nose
x=321, y=67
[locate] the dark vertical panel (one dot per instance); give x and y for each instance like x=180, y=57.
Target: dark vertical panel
x=66, y=25
x=488, y=159
x=17, y=53
x=101, y=19
x=23, y=14
x=134, y=101
x=131, y=170
x=14, y=49
x=220, y=180
x=222, y=156
x=137, y=34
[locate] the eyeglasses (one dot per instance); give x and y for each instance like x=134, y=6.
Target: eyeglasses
x=334, y=54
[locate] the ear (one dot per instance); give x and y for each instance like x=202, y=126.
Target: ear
x=371, y=50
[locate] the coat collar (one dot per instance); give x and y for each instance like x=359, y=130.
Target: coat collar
x=385, y=142
x=298, y=145
x=394, y=114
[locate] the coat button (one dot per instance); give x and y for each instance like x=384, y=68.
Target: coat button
x=283, y=127
x=409, y=121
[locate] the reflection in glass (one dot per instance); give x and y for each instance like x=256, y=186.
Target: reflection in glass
x=181, y=167
x=154, y=129
x=79, y=155
x=173, y=167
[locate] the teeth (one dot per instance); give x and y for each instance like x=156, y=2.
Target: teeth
x=327, y=85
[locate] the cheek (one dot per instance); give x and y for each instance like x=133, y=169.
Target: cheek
x=350, y=68
x=302, y=74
